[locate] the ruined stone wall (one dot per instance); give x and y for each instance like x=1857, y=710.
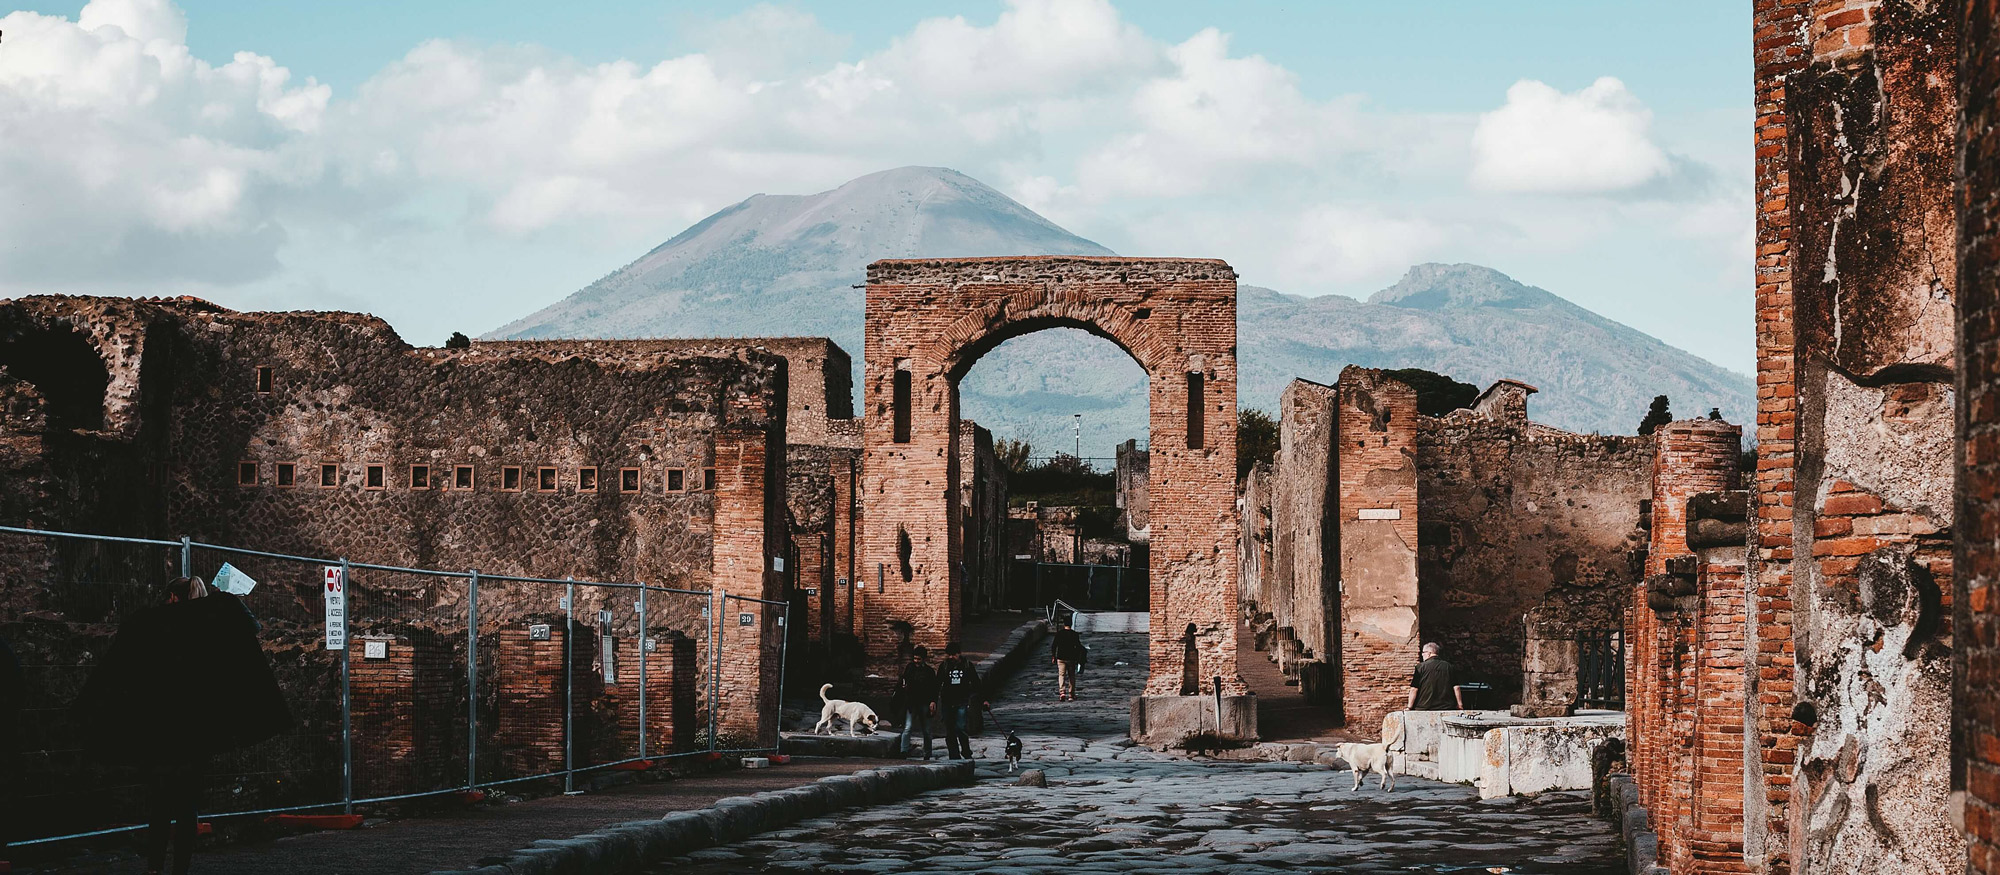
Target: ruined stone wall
x=1376, y=527
x=1134, y=502
x=1977, y=601
x=982, y=495
x=928, y=321
x=1871, y=152
x=1254, y=543
x=1855, y=304
x=1305, y=555
x=323, y=434
x=1518, y=518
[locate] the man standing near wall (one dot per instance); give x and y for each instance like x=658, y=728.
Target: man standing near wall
x=1067, y=652
x=1432, y=687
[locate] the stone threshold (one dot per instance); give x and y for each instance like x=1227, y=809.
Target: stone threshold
x=633, y=845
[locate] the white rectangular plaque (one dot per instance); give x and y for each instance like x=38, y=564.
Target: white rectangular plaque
x=1380, y=513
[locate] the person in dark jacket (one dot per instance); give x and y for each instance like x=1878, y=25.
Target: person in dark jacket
x=1068, y=653
x=1433, y=687
x=918, y=691
x=958, y=696
x=181, y=682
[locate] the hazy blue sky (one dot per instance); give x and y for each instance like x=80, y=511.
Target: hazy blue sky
x=453, y=165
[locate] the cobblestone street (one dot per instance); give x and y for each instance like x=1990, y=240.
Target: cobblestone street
x=1113, y=807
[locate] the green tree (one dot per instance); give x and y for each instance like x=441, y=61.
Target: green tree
x=1256, y=440
x=1656, y=416
x=1014, y=454
x=1437, y=394
x=458, y=340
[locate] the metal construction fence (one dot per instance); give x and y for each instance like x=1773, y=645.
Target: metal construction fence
x=447, y=681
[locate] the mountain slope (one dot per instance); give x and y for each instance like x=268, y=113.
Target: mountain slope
x=787, y=264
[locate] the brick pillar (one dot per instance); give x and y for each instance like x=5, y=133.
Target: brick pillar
x=1376, y=529
x=747, y=536
x=669, y=692
x=1690, y=457
x=1779, y=55
x=1976, y=679
x=534, y=690
x=1714, y=839
x=406, y=737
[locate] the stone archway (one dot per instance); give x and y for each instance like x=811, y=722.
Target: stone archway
x=929, y=321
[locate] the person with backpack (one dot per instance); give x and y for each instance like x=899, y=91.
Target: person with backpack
x=181, y=683
x=918, y=694
x=958, y=696
x=1068, y=654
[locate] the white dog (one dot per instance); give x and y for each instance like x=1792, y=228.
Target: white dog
x=1370, y=758
x=857, y=714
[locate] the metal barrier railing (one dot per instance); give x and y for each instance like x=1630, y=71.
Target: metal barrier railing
x=467, y=680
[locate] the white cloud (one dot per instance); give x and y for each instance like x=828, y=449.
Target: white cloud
x=473, y=174
x=121, y=155
x=1544, y=141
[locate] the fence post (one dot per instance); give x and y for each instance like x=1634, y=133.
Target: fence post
x=346, y=710
x=187, y=556
x=569, y=686
x=643, y=749
x=784, y=647
x=472, y=682
x=716, y=601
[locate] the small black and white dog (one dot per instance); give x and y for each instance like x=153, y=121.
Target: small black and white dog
x=1013, y=750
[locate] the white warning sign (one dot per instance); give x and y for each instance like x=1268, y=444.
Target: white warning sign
x=336, y=608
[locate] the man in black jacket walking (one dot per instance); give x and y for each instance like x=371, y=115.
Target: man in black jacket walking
x=1068, y=653
x=958, y=695
x=918, y=692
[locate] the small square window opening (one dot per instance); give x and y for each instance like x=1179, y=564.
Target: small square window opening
x=586, y=479
x=288, y=474
x=246, y=473
x=329, y=475
x=545, y=479
x=676, y=480
x=510, y=478
x=628, y=480
x=266, y=380
x=420, y=476
x=708, y=479
x=461, y=477
x=378, y=477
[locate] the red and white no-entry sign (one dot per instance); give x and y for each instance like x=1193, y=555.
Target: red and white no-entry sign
x=336, y=608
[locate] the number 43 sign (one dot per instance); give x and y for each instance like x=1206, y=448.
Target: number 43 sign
x=336, y=608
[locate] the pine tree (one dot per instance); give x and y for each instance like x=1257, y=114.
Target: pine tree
x=1656, y=416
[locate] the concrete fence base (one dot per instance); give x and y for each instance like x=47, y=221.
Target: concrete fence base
x=628, y=847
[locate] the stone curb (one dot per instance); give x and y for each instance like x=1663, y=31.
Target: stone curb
x=1002, y=663
x=1642, y=845
x=626, y=847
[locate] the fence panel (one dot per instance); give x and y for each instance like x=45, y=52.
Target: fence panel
x=749, y=670
x=61, y=602
x=449, y=679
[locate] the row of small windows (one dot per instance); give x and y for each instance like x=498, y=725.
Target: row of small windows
x=513, y=478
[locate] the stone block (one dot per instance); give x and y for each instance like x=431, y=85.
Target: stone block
x=1161, y=722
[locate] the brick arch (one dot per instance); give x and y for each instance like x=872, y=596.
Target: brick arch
x=929, y=321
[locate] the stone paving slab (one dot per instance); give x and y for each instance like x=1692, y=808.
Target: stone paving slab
x=1111, y=806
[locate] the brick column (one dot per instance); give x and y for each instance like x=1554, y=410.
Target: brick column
x=534, y=690
x=1376, y=529
x=669, y=692
x=746, y=538
x=404, y=714
x=1976, y=678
